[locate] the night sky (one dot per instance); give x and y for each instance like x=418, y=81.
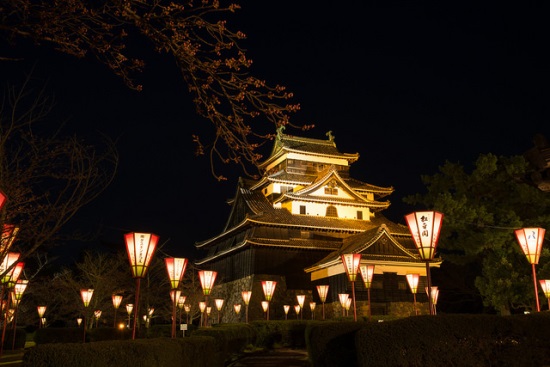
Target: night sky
x=406, y=84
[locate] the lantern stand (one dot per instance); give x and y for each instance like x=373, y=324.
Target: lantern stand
x=246, y=299
x=367, y=274
x=41, y=311
x=207, y=278
x=301, y=298
x=129, y=309
x=343, y=297
x=117, y=298
x=19, y=289
x=323, y=292
x=86, y=295
x=413, y=279
x=351, y=265
x=175, y=268
x=140, y=248
x=425, y=228
x=530, y=240
x=269, y=289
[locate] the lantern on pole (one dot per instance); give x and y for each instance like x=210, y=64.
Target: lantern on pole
x=140, y=248
x=18, y=290
x=117, y=299
x=129, y=309
x=246, y=299
x=351, y=265
x=343, y=298
x=530, y=241
x=181, y=303
x=237, y=308
x=425, y=228
x=269, y=290
x=207, y=278
x=176, y=268
x=367, y=274
x=297, y=309
x=219, y=305
x=286, y=308
x=86, y=295
x=433, y=295
x=323, y=292
x=545, y=285
x=187, y=309
x=301, y=298
x=202, y=308
x=413, y=279
x=97, y=315
x=312, y=306
x=41, y=311
x=265, y=306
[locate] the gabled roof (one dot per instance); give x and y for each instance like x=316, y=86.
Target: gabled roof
x=328, y=175
x=377, y=246
x=288, y=143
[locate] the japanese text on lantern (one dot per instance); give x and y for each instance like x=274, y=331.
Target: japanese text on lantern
x=140, y=259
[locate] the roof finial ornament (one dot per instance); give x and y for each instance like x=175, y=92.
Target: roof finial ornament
x=280, y=130
x=330, y=136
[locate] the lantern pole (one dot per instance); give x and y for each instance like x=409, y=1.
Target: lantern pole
x=207, y=278
x=413, y=279
x=269, y=289
x=530, y=240
x=86, y=295
x=246, y=299
x=175, y=268
x=351, y=265
x=117, y=298
x=425, y=228
x=323, y=292
x=367, y=274
x=129, y=309
x=301, y=298
x=140, y=247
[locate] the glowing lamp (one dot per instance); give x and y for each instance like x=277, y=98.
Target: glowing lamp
x=176, y=268
x=530, y=241
x=140, y=248
x=269, y=289
x=207, y=278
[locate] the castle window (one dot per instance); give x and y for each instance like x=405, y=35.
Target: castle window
x=286, y=189
x=331, y=191
x=302, y=209
x=331, y=211
x=359, y=214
